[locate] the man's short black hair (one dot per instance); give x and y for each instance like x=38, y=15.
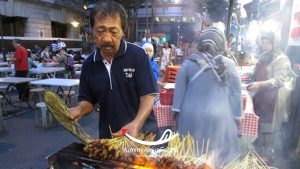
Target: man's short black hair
x=110, y=8
x=18, y=41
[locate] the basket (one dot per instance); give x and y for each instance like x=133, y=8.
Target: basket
x=171, y=72
x=166, y=96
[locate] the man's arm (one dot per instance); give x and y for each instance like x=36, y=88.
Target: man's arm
x=146, y=88
x=85, y=97
x=145, y=108
x=82, y=109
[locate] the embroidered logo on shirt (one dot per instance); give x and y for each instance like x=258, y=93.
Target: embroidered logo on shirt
x=129, y=72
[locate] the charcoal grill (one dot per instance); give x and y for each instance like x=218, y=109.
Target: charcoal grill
x=73, y=157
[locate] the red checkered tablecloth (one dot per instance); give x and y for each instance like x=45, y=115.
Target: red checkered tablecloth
x=249, y=120
x=164, y=115
x=249, y=125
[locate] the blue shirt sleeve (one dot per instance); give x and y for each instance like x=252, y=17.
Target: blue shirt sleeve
x=144, y=79
x=85, y=91
x=155, y=70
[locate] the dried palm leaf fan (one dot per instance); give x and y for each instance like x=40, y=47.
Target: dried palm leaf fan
x=61, y=112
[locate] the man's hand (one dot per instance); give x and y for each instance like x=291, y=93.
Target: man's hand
x=133, y=129
x=83, y=108
x=75, y=113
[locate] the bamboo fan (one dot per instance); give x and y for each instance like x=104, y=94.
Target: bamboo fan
x=61, y=112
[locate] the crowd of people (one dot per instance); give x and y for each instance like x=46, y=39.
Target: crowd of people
x=210, y=77
x=25, y=59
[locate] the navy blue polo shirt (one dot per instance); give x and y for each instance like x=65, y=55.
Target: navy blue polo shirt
x=118, y=93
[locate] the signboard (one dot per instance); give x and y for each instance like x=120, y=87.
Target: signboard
x=294, y=35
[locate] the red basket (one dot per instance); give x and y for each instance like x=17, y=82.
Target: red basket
x=166, y=96
x=171, y=73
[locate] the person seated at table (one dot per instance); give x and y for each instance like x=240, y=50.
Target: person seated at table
x=35, y=55
x=71, y=53
x=30, y=60
x=45, y=55
x=78, y=57
x=65, y=60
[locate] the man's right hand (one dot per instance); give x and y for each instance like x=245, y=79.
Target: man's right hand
x=83, y=108
x=75, y=113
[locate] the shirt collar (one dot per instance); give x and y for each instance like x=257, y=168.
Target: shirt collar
x=121, y=51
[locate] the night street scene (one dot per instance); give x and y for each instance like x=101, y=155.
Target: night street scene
x=149, y=84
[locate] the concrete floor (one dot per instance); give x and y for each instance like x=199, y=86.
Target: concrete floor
x=23, y=146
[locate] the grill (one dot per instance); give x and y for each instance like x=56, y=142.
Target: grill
x=73, y=157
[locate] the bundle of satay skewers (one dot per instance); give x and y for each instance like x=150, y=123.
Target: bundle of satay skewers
x=250, y=161
x=181, y=152
x=117, y=149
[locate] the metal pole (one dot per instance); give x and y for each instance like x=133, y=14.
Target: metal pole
x=2, y=40
x=229, y=18
x=153, y=3
x=147, y=25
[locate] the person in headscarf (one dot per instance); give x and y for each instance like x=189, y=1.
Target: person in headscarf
x=207, y=97
x=271, y=72
x=148, y=47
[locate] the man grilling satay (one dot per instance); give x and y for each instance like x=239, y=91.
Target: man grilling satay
x=117, y=76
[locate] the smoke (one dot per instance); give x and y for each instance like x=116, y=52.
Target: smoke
x=207, y=115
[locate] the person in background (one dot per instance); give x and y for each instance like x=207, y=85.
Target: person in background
x=78, y=57
x=271, y=72
x=35, y=56
x=61, y=44
x=230, y=41
x=153, y=42
x=45, y=55
x=30, y=60
x=21, y=68
x=148, y=47
x=54, y=48
x=71, y=53
x=37, y=49
x=127, y=91
x=84, y=55
x=207, y=97
x=165, y=58
x=63, y=58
